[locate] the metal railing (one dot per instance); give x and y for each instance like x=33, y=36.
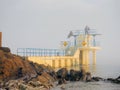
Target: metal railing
x=39, y=52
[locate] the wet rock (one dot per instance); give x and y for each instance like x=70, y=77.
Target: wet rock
x=75, y=75
x=110, y=79
x=82, y=74
x=97, y=78
x=117, y=80
x=88, y=77
x=72, y=75
x=60, y=81
x=62, y=73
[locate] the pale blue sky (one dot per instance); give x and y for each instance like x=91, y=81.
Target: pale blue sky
x=44, y=23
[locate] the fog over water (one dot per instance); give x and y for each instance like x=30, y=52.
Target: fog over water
x=44, y=23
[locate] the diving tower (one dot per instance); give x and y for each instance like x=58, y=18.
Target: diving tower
x=85, y=42
x=72, y=52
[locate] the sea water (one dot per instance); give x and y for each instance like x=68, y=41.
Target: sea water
x=88, y=86
x=102, y=70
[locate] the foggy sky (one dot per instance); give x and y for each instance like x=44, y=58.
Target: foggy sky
x=44, y=23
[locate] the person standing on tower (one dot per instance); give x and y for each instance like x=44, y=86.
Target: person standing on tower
x=87, y=30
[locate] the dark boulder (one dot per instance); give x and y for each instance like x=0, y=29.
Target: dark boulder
x=53, y=74
x=88, y=77
x=20, y=72
x=110, y=79
x=117, y=80
x=74, y=75
x=61, y=81
x=62, y=73
x=118, y=77
x=5, y=49
x=97, y=78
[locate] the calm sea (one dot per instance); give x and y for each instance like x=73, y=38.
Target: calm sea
x=101, y=70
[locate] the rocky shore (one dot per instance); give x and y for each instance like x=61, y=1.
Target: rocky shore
x=64, y=75
x=17, y=73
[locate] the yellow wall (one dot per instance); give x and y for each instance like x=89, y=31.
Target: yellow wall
x=81, y=56
x=54, y=61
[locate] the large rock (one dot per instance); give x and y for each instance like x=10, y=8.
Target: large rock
x=74, y=75
x=114, y=80
x=21, y=85
x=62, y=73
x=10, y=64
x=97, y=79
x=5, y=49
x=39, y=68
x=14, y=69
x=45, y=78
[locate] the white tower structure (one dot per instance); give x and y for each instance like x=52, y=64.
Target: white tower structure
x=84, y=43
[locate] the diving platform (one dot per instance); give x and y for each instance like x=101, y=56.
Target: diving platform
x=75, y=52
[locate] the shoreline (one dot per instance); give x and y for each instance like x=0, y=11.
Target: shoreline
x=16, y=72
x=34, y=84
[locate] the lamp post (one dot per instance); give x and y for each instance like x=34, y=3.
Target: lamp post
x=0, y=39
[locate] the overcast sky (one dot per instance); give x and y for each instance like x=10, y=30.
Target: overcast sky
x=44, y=23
